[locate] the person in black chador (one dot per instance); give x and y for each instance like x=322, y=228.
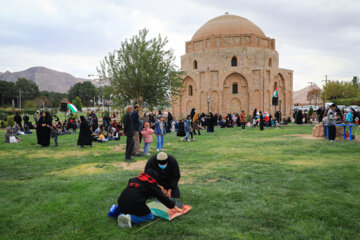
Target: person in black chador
x=169, y=122
x=299, y=117
x=132, y=208
x=211, y=121
x=85, y=133
x=167, y=168
x=261, y=123
x=43, y=129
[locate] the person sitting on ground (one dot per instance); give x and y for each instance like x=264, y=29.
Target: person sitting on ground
x=113, y=134
x=132, y=208
x=102, y=137
x=169, y=173
x=27, y=128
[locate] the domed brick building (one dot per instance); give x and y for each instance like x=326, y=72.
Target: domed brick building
x=230, y=66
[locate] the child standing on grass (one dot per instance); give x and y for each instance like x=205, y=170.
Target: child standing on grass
x=147, y=133
x=160, y=131
x=187, y=129
x=54, y=134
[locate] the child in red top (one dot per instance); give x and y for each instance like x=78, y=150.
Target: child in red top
x=147, y=132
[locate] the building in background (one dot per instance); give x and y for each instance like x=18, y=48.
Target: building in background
x=230, y=66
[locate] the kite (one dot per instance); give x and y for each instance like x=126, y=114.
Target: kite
x=160, y=210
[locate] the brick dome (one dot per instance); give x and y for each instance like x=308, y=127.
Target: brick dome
x=227, y=25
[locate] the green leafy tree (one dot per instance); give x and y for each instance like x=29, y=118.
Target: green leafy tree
x=54, y=97
x=85, y=90
x=29, y=89
x=77, y=102
x=7, y=92
x=311, y=111
x=142, y=71
x=338, y=89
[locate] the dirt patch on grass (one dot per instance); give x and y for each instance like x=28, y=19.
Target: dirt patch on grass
x=119, y=148
x=89, y=168
x=308, y=163
x=139, y=165
x=304, y=136
x=94, y=168
x=60, y=154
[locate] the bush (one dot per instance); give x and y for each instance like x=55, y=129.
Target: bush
x=10, y=121
x=355, y=102
x=30, y=111
x=3, y=115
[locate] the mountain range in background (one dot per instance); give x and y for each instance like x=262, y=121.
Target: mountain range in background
x=47, y=79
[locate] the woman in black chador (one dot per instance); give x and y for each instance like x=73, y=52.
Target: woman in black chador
x=44, y=129
x=261, y=123
x=85, y=133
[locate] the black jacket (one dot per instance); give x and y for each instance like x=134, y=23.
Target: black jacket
x=128, y=125
x=133, y=198
x=135, y=120
x=169, y=177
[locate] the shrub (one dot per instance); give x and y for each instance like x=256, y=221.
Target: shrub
x=30, y=111
x=10, y=121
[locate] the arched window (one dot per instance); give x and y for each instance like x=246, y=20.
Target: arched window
x=235, y=88
x=190, y=90
x=234, y=61
x=270, y=62
x=195, y=64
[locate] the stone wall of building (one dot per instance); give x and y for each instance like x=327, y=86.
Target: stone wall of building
x=211, y=76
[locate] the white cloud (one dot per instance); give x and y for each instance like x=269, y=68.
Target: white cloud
x=313, y=38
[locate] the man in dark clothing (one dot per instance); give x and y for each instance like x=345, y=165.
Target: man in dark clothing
x=136, y=124
x=129, y=132
x=17, y=119
x=132, y=201
x=169, y=173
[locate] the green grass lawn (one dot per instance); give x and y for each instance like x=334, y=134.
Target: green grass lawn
x=241, y=185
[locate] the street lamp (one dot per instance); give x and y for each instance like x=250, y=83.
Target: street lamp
x=208, y=102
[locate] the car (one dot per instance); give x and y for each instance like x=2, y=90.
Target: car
x=341, y=107
x=356, y=108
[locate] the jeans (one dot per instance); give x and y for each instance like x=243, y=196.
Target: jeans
x=186, y=136
x=129, y=147
x=140, y=219
x=160, y=142
x=146, y=147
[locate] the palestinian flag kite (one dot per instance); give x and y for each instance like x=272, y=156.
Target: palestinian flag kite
x=160, y=210
x=275, y=93
x=72, y=107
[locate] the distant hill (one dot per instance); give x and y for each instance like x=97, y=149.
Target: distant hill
x=47, y=79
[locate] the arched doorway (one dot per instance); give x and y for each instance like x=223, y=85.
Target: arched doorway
x=235, y=106
x=242, y=94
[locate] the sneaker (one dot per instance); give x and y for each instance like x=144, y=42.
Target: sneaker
x=157, y=150
x=124, y=221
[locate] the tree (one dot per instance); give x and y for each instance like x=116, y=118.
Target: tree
x=337, y=89
x=142, y=72
x=7, y=92
x=54, y=97
x=77, y=102
x=29, y=89
x=85, y=90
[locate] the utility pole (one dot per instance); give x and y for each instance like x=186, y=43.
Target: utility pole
x=20, y=98
x=326, y=80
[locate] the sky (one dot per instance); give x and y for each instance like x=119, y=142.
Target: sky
x=313, y=38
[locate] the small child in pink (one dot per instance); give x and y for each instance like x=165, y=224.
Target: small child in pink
x=147, y=132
